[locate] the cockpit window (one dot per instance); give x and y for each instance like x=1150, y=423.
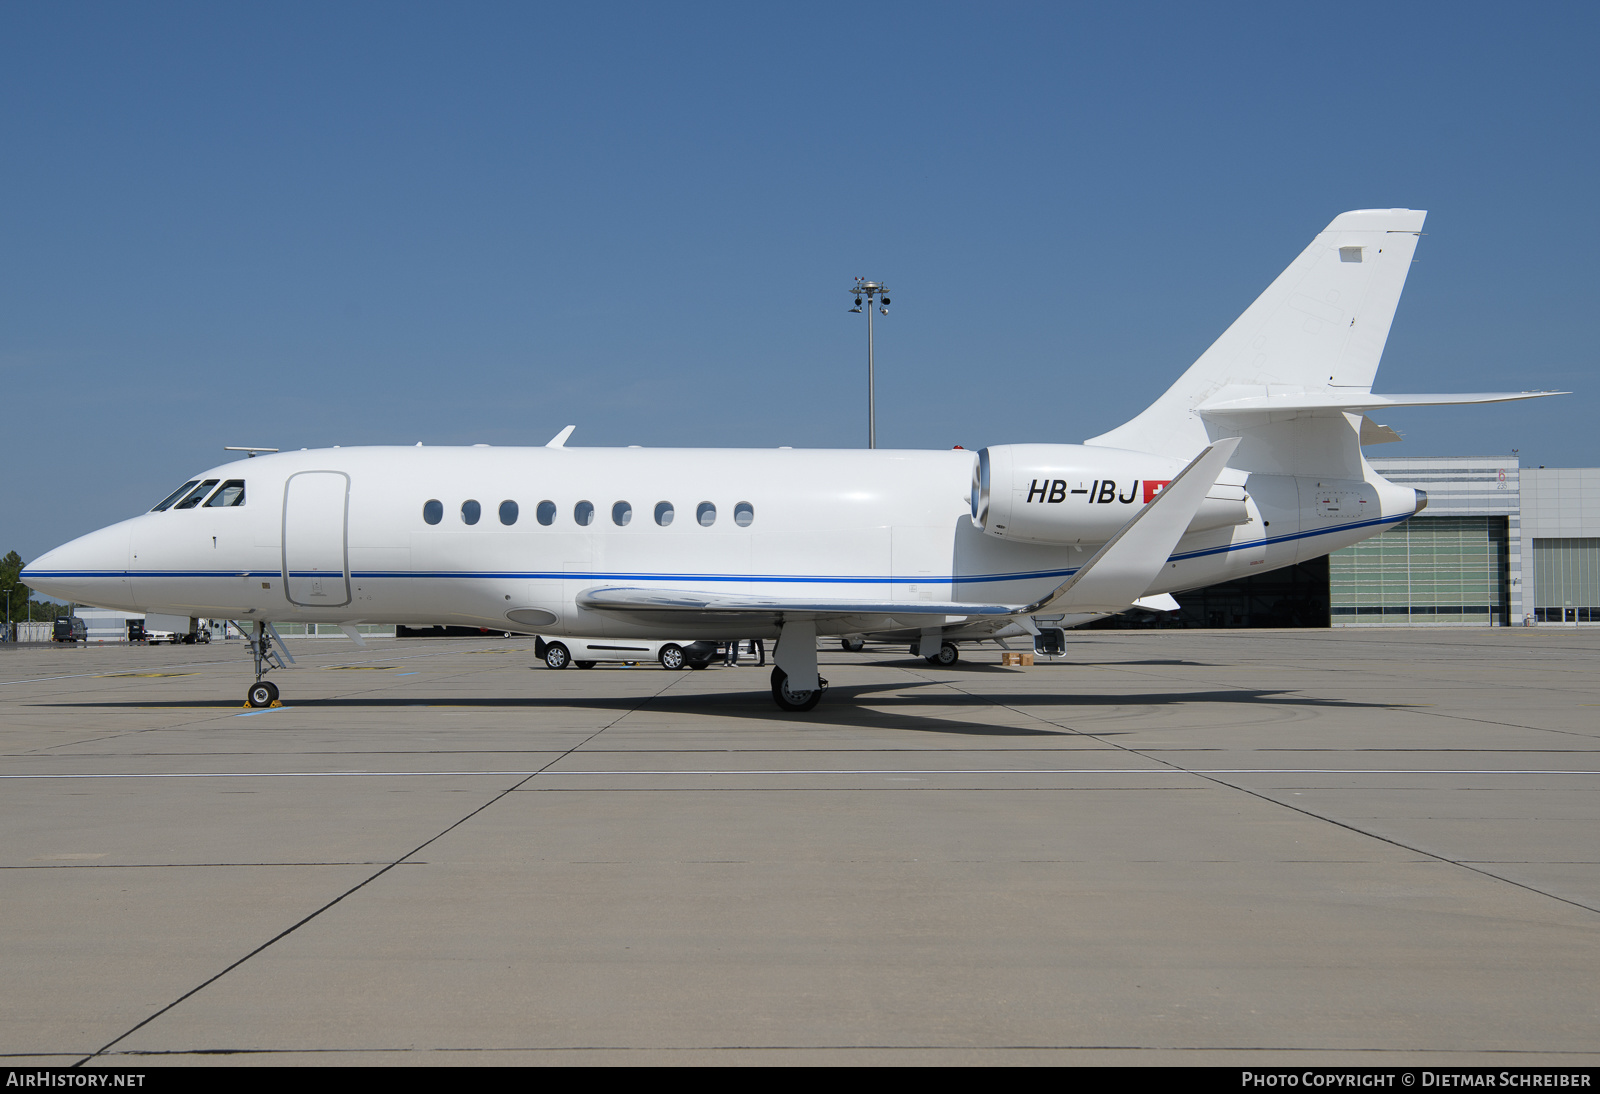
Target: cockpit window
x=196, y=495
x=175, y=495
x=230, y=493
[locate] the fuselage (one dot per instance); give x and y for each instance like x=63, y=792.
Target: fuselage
x=469, y=536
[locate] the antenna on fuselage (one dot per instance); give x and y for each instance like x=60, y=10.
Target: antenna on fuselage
x=249, y=453
x=560, y=439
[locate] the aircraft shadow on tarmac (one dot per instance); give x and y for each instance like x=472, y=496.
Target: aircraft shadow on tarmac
x=861, y=706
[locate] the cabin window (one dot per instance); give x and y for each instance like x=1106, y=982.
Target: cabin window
x=706, y=514
x=196, y=495
x=470, y=512
x=228, y=494
x=546, y=513
x=621, y=514
x=508, y=512
x=175, y=495
x=583, y=513
x=664, y=513
x=743, y=514
x=433, y=511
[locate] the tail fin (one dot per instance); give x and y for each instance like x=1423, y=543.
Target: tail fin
x=1319, y=328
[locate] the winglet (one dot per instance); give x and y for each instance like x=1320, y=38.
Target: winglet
x=1121, y=571
x=560, y=439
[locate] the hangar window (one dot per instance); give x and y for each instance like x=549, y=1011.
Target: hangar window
x=621, y=514
x=228, y=494
x=706, y=514
x=583, y=513
x=744, y=514
x=547, y=513
x=470, y=512
x=196, y=495
x=663, y=513
x=508, y=512
x=433, y=511
x=175, y=495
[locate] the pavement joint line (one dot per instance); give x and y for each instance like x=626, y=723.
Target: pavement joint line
x=231, y=663
x=1170, y=769
x=286, y=932
x=817, y=1047
x=1264, y=795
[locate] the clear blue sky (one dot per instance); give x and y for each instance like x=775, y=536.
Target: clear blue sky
x=308, y=224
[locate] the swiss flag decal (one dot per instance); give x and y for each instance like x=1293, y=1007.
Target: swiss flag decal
x=1152, y=487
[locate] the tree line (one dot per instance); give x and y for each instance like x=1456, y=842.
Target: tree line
x=14, y=596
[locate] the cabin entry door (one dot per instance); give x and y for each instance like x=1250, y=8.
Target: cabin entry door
x=316, y=568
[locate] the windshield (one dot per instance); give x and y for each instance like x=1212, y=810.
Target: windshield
x=175, y=495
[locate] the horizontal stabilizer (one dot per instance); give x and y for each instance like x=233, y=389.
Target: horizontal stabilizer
x=1311, y=404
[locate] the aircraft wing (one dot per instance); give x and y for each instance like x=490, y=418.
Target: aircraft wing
x=668, y=606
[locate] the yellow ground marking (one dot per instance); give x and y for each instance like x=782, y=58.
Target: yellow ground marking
x=110, y=675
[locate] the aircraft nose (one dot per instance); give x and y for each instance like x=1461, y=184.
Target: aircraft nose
x=86, y=566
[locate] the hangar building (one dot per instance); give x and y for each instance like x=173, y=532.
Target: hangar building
x=1498, y=545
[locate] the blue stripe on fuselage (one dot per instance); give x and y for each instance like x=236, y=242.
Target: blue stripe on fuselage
x=568, y=575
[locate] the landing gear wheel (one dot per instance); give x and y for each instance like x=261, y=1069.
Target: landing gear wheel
x=852, y=645
x=556, y=656
x=672, y=657
x=263, y=693
x=794, y=700
x=584, y=664
x=948, y=655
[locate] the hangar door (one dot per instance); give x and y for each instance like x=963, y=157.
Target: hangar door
x=316, y=572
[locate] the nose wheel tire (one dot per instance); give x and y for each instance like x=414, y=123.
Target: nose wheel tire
x=556, y=656
x=263, y=693
x=788, y=699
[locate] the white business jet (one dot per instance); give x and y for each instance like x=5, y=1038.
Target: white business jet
x=1250, y=462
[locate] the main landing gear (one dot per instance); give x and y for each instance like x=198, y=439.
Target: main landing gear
x=788, y=699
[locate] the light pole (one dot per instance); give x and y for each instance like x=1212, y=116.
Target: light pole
x=870, y=290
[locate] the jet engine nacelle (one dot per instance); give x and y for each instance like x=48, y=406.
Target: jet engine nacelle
x=1071, y=494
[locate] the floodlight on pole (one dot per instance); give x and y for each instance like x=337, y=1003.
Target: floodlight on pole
x=871, y=290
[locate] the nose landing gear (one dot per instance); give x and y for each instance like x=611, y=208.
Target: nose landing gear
x=264, y=693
